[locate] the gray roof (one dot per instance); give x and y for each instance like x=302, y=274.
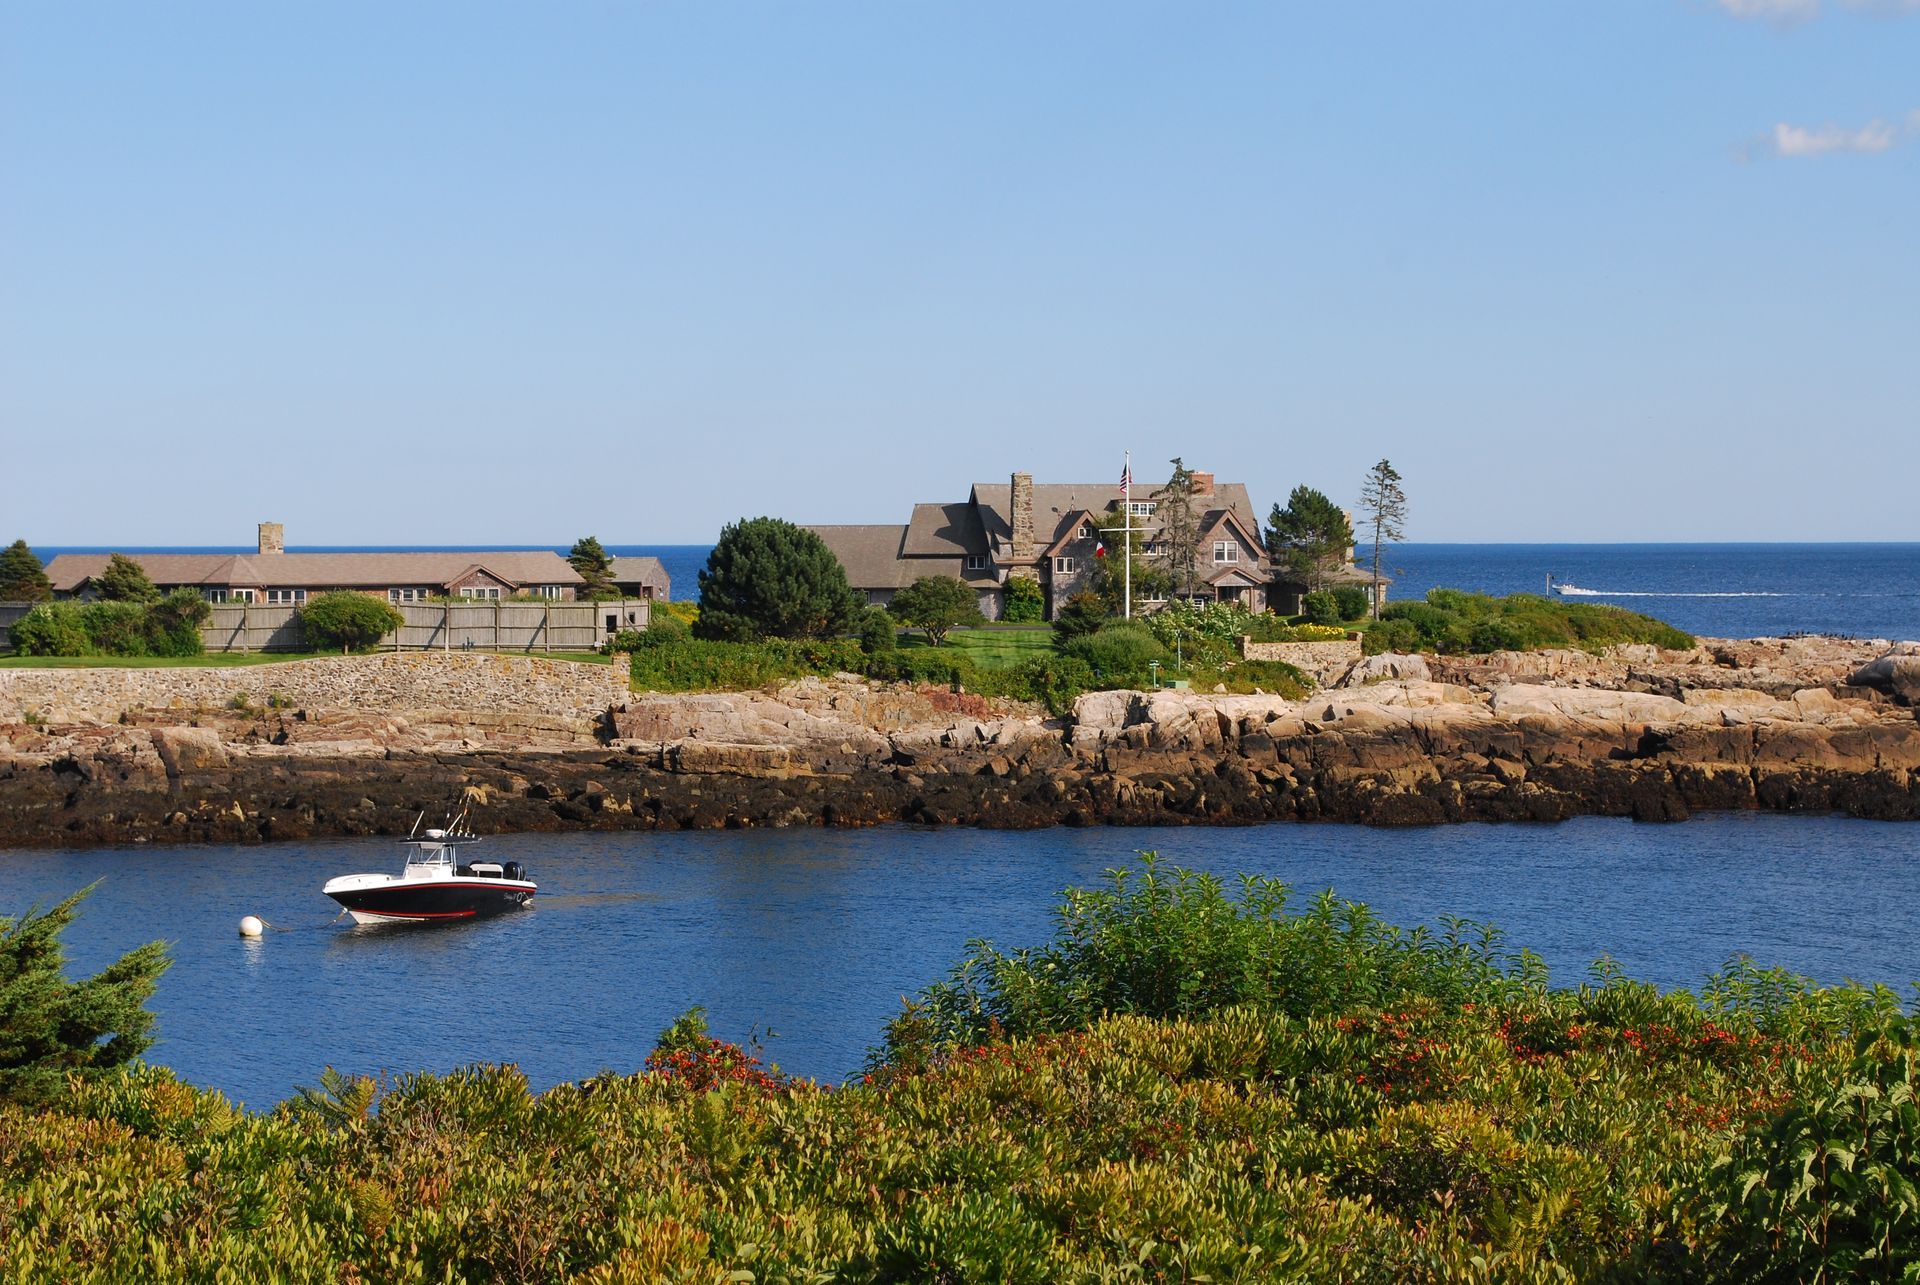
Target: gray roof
x=870, y=554
x=69, y=571
x=944, y=530
x=642, y=571
x=1056, y=503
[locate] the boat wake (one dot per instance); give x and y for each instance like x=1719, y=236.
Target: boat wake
x=1575, y=591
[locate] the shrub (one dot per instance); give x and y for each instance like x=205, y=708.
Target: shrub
x=878, y=631
x=1454, y=621
x=51, y=629
x=172, y=625
x=767, y=578
x=937, y=605
x=347, y=620
x=115, y=628
x=692, y=665
x=1353, y=601
x=1390, y=635
x=626, y=641
x=1056, y=681
x=1221, y=621
x=1120, y=654
x=1024, y=602
x=1830, y=1189
x=51, y=1028
x=1321, y=607
x=1081, y=614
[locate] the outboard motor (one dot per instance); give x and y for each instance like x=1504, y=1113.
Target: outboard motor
x=514, y=870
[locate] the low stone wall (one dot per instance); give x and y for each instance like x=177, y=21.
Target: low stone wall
x=1324, y=662
x=575, y=691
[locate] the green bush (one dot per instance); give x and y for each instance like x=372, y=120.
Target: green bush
x=1321, y=607
x=1452, y=621
x=1120, y=654
x=877, y=631
x=693, y=665
x=1081, y=614
x=347, y=620
x=1024, y=602
x=172, y=625
x=1353, y=601
x=52, y=629
x=1056, y=682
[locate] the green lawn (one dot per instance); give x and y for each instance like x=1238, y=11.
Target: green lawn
x=999, y=647
x=227, y=659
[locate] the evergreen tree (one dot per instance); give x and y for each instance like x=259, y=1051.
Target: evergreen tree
x=125, y=580
x=767, y=578
x=1310, y=537
x=22, y=578
x=595, y=567
x=1384, y=505
x=1179, y=535
x=51, y=1027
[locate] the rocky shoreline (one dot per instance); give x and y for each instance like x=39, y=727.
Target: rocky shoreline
x=1799, y=725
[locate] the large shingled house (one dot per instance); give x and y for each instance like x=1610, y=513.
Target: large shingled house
x=1047, y=531
x=272, y=575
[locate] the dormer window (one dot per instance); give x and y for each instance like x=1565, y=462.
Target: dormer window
x=1141, y=508
x=976, y=562
x=1086, y=530
x=1225, y=551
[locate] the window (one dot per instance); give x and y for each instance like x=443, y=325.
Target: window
x=548, y=591
x=1063, y=566
x=1226, y=551
x=1140, y=508
x=286, y=597
x=216, y=595
x=408, y=595
x=481, y=592
x=1086, y=530
x=241, y=595
x=976, y=562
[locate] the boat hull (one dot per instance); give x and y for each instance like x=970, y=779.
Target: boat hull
x=429, y=900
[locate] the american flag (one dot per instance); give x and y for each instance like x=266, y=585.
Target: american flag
x=1126, y=480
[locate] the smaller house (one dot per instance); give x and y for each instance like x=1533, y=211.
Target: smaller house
x=641, y=578
x=272, y=575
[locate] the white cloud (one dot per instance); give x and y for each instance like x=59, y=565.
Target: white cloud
x=1800, y=140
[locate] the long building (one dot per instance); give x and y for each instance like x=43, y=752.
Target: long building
x=272, y=575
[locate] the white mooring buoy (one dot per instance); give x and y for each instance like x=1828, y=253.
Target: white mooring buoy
x=251, y=926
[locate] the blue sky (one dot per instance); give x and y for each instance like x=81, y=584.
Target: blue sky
x=1632, y=270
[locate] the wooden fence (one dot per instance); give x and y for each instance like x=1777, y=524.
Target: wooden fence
x=482, y=626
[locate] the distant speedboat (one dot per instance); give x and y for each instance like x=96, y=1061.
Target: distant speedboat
x=435, y=886
x=1574, y=591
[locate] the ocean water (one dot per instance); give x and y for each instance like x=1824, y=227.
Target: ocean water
x=1718, y=590
x=816, y=934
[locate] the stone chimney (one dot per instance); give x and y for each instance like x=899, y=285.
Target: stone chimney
x=1022, y=517
x=1202, y=483
x=273, y=538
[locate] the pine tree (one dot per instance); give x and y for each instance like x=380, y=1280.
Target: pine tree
x=767, y=578
x=125, y=580
x=1311, y=537
x=50, y=1027
x=1384, y=505
x=595, y=567
x=1179, y=535
x=22, y=578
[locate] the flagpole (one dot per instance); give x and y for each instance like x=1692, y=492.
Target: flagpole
x=1126, y=541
